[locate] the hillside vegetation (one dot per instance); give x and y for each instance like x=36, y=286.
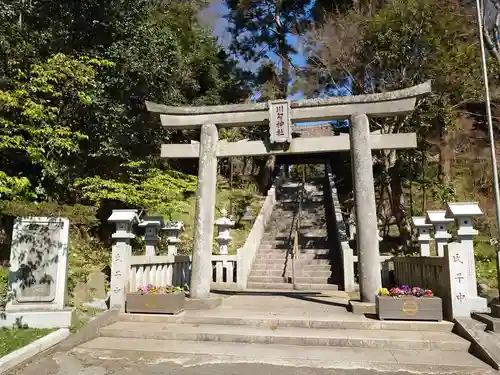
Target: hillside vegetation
x=77, y=141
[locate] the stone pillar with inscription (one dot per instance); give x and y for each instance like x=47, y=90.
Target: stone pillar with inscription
x=441, y=227
x=120, y=255
x=201, y=268
x=152, y=225
x=463, y=214
x=370, y=278
x=424, y=235
x=461, y=303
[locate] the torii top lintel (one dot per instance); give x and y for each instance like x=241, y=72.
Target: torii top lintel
x=391, y=103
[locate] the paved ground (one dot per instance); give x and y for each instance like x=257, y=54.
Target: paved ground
x=98, y=357
x=131, y=364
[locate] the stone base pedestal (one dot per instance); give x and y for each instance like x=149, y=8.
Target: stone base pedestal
x=361, y=308
x=479, y=304
x=202, y=303
x=38, y=319
x=495, y=310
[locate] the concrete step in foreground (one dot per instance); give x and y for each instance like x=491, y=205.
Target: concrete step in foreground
x=345, y=338
x=192, y=353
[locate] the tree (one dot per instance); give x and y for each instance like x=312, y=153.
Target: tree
x=38, y=136
x=261, y=29
x=398, y=46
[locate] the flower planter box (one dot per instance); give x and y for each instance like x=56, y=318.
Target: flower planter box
x=155, y=303
x=409, y=308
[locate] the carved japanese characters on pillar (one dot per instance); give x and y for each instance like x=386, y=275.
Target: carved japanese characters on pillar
x=120, y=254
x=460, y=298
x=463, y=213
x=279, y=121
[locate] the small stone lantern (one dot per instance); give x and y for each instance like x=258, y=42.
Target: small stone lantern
x=424, y=235
x=441, y=226
x=124, y=221
x=224, y=237
x=152, y=225
x=463, y=214
x=248, y=215
x=173, y=229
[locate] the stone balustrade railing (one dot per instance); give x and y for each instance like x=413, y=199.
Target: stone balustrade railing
x=173, y=270
x=246, y=254
x=229, y=271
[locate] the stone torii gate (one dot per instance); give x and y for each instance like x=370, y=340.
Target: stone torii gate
x=278, y=115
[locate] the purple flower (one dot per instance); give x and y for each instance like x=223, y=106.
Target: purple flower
x=417, y=291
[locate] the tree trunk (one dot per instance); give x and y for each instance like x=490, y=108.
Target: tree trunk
x=445, y=156
x=397, y=202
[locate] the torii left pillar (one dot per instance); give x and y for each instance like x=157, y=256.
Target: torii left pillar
x=201, y=268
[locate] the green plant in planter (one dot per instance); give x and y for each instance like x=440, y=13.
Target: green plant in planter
x=152, y=289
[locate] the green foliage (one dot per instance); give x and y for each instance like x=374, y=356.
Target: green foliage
x=86, y=255
x=77, y=214
x=485, y=255
x=15, y=338
x=160, y=192
x=37, y=134
x=4, y=284
x=14, y=187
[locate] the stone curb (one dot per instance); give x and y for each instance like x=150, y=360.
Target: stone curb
x=26, y=352
x=88, y=332
x=483, y=346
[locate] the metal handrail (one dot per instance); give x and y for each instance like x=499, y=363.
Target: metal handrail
x=296, y=226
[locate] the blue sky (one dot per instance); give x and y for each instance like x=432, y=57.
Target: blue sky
x=214, y=18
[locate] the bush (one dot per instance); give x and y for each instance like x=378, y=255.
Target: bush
x=4, y=278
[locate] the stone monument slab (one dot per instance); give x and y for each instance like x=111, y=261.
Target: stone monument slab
x=38, y=272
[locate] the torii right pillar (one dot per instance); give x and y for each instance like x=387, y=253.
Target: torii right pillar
x=367, y=237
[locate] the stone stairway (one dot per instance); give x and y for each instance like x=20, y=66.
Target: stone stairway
x=293, y=329
x=272, y=268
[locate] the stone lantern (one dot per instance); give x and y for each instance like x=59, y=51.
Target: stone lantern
x=463, y=214
x=173, y=229
x=152, y=225
x=120, y=255
x=424, y=234
x=248, y=215
x=224, y=237
x=441, y=226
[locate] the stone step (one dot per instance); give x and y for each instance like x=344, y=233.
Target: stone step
x=281, y=261
x=299, y=251
x=276, y=258
x=353, y=338
x=299, y=273
x=298, y=279
x=287, y=286
x=264, y=320
x=298, y=265
x=279, y=286
x=283, y=358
